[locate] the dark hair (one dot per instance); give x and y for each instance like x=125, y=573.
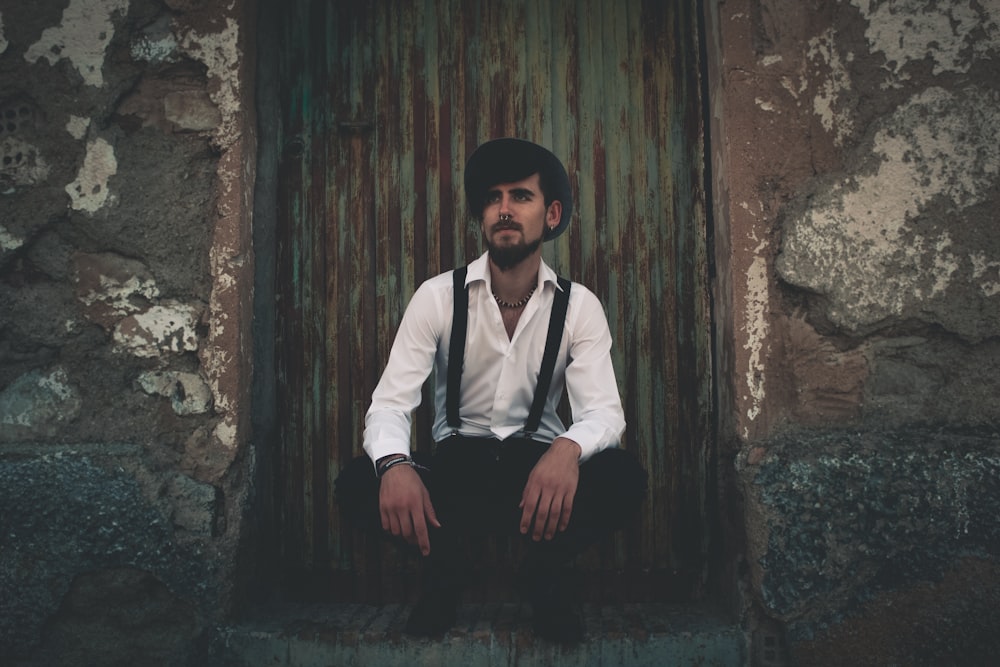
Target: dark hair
x=509, y=160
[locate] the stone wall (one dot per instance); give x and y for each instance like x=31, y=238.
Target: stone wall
x=857, y=214
x=855, y=184
x=126, y=171
x=862, y=189
x=877, y=547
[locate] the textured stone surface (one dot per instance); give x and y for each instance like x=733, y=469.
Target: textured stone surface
x=120, y=617
x=837, y=520
x=36, y=404
x=67, y=513
x=903, y=236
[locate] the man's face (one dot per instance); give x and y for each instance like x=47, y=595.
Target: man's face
x=514, y=220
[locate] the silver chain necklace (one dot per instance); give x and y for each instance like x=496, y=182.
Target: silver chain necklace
x=516, y=304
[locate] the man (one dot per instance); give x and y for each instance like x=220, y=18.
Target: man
x=504, y=335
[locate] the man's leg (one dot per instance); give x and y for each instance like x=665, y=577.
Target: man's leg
x=358, y=497
x=461, y=479
x=611, y=487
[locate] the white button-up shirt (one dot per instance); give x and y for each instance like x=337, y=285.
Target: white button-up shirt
x=500, y=373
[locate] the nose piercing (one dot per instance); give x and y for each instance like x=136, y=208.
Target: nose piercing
x=505, y=217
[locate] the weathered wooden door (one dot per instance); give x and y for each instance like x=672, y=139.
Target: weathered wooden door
x=381, y=104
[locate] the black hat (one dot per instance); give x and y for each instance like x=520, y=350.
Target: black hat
x=508, y=160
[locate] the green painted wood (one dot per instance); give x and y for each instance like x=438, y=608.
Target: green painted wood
x=381, y=104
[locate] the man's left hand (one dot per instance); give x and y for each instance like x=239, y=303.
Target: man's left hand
x=548, y=495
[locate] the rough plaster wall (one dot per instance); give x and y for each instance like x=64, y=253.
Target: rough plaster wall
x=904, y=236
x=863, y=177
x=126, y=170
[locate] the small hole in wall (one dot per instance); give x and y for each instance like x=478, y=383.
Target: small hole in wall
x=769, y=650
x=16, y=118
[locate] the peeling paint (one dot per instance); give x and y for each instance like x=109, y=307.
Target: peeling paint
x=757, y=327
x=953, y=34
x=167, y=327
x=111, y=287
x=8, y=241
x=763, y=104
x=825, y=103
x=119, y=296
x=82, y=38
x=35, y=399
x=77, y=126
x=792, y=89
x=188, y=392
x=982, y=270
x=856, y=243
x=225, y=433
x=220, y=53
x=89, y=192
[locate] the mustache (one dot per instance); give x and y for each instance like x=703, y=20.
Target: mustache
x=506, y=223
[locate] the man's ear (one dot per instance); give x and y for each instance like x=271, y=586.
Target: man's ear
x=553, y=214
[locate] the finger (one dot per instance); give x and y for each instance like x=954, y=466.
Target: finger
x=406, y=528
x=420, y=534
x=554, y=520
x=541, y=517
x=395, y=527
x=430, y=513
x=528, y=505
x=386, y=524
x=559, y=516
x=567, y=511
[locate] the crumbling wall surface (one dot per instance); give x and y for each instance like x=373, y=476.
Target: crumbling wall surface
x=863, y=184
x=864, y=180
x=879, y=548
x=89, y=513
x=125, y=271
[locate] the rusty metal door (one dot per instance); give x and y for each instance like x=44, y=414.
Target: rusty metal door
x=381, y=103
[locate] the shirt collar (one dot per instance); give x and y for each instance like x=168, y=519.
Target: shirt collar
x=479, y=269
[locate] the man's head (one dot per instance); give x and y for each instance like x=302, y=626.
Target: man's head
x=508, y=160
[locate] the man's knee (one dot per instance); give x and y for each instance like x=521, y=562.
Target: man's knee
x=613, y=478
x=357, y=493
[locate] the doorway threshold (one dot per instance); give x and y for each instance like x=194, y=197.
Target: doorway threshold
x=647, y=634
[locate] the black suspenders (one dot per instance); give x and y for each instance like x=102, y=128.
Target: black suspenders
x=459, y=326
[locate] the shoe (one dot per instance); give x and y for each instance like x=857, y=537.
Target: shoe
x=555, y=613
x=557, y=619
x=434, y=613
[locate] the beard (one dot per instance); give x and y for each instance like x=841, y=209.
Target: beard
x=508, y=257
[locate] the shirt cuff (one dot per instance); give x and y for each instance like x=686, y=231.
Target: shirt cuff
x=590, y=439
x=377, y=450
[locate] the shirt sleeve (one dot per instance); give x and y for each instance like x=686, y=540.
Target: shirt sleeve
x=411, y=358
x=598, y=418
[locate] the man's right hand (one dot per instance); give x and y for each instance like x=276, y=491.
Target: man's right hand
x=406, y=506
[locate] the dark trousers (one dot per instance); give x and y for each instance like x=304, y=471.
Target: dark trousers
x=476, y=485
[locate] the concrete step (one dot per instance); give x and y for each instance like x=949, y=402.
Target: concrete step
x=349, y=635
